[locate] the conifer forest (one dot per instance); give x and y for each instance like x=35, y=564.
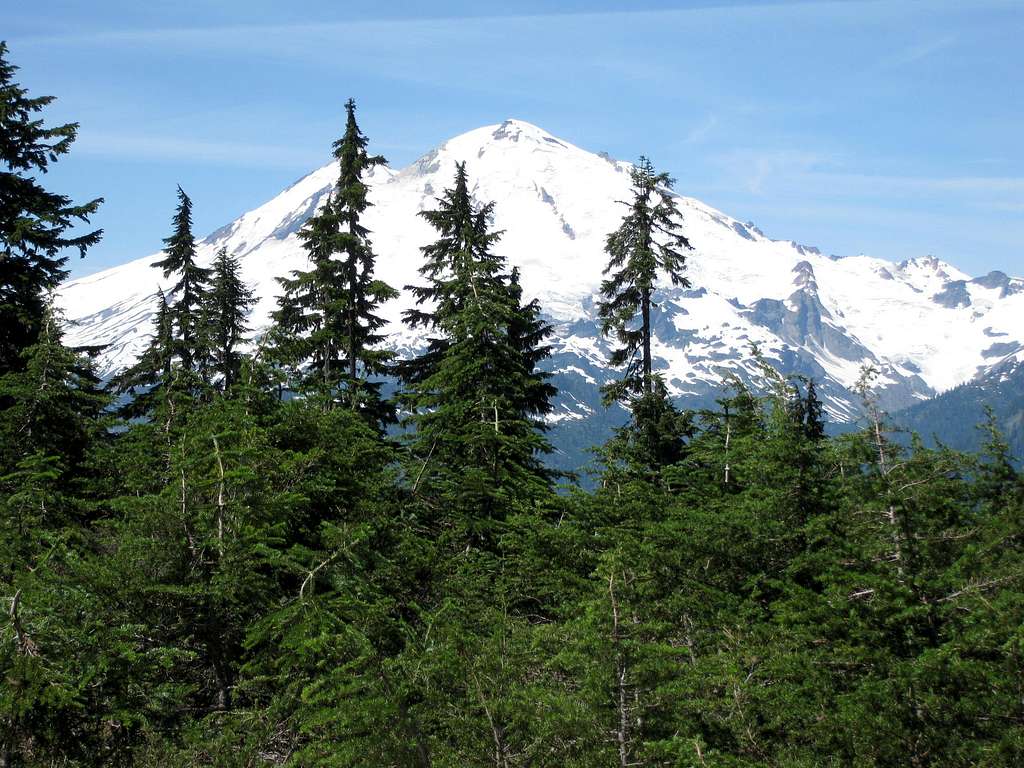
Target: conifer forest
x=288, y=546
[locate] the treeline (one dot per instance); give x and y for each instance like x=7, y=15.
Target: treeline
x=225, y=557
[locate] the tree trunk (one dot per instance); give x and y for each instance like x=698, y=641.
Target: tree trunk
x=352, y=388
x=891, y=515
x=621, y=679
x=223, y=688
x=225, y=360
x=220, y=498
x=497, y=732
x=897, y=539
x=646, y=307
x=728, y=435
x=352, y=290
x=421, y=752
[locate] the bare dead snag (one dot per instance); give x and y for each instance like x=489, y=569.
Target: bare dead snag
x=621, y=678
x=500, y=759
x=220, y=497
x=24, y=643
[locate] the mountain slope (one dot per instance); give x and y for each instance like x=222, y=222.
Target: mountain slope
x=926, y=326
x=952, y=418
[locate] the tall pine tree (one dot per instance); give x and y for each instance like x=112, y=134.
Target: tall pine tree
x=46, y=434
x=145, y=381
x=56, y=402
x=648, y=241
x=191, y=287
x=35, y=224
x=476, y=395
x=227, y=308
x=330, y=311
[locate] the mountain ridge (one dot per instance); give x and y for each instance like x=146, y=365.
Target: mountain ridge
x=925, y=325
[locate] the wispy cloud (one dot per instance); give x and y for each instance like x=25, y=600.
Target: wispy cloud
x=1011, y=207
x=772, y=171
x=164, y=148
x=757, y=171
x=918, y=51
x=992, y=185
x=699, y=132
x=272, y=34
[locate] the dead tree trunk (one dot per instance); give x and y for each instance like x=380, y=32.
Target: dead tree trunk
x=622, y=684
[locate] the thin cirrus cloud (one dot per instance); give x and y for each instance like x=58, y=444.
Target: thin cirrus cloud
x=918, y=52
x=165, y=148
x=998, y=189
x=702, y=130
x=995, y=185
x=761, y=108
x=760, y=171
x=301, y=39
x=770, y=171
x=274, y=33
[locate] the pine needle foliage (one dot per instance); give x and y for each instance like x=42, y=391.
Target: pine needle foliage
x=255, y=580
x=328, y=314
x=225, y=314
x=648, y=242
x=190, y=287
x=475, y=396
x=36, y=225
x=143, y=383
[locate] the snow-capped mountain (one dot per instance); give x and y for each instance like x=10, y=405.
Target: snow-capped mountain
x=925, y=325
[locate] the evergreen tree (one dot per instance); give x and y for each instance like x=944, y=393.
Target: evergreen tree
x=190, y=289
x=647, y=242
x=351, y=568
x=528, y=333
x=248, y=580
x=55, y=400
x=227, y=308
x=147, y=381
x=330, y=311
x=475, y=395
x=814, y=413
x=35, y=224
x=806, y=409
x=192, y=552
x=652, y=440
x=47, y=429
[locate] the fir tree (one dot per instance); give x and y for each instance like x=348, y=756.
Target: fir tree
x=146, y=381
x=246, y=581
x=647, y=242
x=35, y=224
x=330, y=311
x=814, y=413
x=47, y=430
x=349, y=566
x=806, y=410
x=190, y=289
x=227, y=307
x=653, y=439
x=476, y=396
x=54, y=401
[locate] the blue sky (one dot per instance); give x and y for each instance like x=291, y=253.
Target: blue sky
x=889, y=128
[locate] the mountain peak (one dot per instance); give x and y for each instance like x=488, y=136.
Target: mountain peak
x=511, y=137
x=519, y=130
x=931, y=267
